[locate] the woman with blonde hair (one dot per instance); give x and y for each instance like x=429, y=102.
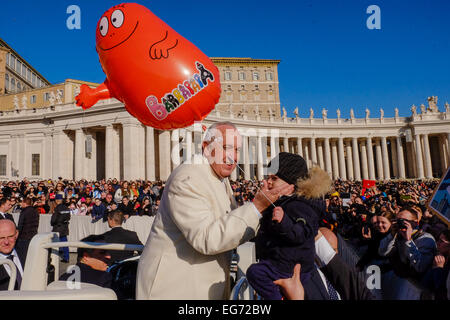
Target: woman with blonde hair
x=124, y=190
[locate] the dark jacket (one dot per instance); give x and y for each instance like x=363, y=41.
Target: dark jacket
x=291, y=241
x=346, y=280
x=4, y=277
x=60, y=220
x=28, y=223
x=120, y=235
x=89, y=275
x=127, y=209
x=7, y=216
x=98, y=212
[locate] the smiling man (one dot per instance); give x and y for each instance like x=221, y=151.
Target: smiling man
x=8, y=238
x=187, y=255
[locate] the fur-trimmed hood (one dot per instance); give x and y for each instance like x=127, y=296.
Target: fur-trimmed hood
x=316, y=185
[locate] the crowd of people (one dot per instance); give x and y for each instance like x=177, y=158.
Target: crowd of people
x=95, y=199
x=388, y=224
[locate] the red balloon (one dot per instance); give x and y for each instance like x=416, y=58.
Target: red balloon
x=163, y=79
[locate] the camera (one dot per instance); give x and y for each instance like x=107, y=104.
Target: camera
x=401, y=224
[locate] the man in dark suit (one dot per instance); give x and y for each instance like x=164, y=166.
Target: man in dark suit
x=28, y=223
x=333, y=278
x=92, y=264
x=60, y=223
x=8, y=238
x=5, y=205
x=117, y=234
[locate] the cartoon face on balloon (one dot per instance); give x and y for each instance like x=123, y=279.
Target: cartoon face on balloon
x=162, y=78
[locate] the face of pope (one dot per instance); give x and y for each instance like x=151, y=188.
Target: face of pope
x=223, y=150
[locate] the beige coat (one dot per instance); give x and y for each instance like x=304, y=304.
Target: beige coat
x=187, y=254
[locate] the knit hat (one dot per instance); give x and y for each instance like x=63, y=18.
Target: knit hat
x=289, y=167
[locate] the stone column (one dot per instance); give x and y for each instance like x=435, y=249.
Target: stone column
x=131, y=144
x=273, y=147
x=370, y=158
x=286, y=144
x=387, y=173
x=118, y=160
x=350, y=174
x=400, y=161
x=188, y=145
x=355, y=152
x=335, y=160
x=320, y=155
x=379, y=156
x=428, y=165
x=299, y=146
x=419, y=158
x=442, y=153
x=79, y=154
x=307, y=156
x=175, y=151
x=342, y=171
x=46, y=157
x=364, y=167
x=260, y=163
x=448, y=146
x=394, y=157
x=56, y=154
x=313, y=151
x=109, y=155
x=328, y=167
x=246, y=159
x=164, y=155
x=150, y=161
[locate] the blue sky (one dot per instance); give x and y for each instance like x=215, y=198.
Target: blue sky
x=329, y=58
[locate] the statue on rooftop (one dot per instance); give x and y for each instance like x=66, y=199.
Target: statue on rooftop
x=367, y=113
x=352, y=114
x=324, y=113
x=311, y=113
x=414, y=110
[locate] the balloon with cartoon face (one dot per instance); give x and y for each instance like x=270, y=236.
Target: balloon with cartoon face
x=163, y=79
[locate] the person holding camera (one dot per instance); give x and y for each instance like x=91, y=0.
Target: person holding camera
x=60, y=223
x=410, y=250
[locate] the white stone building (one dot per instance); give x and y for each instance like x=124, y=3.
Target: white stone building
x=106, y=142
x=44, y=135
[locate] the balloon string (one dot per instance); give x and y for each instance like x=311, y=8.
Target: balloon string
x=257, y=186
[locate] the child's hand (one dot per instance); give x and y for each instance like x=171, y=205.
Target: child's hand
x=277, y=214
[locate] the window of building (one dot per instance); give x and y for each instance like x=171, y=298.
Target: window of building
x=7, y=59
x=28, y=74
x=33, y=80
x=269, y=76
x=227, y=75
x=33, y=99
x=24, y=71
x=7, y=81
x=255, y=76
x=13, y=62
x=19, y=67
x=19, y=86
x=46, y=96
x=13, y=84
x=241, y=75
x=2, y=164
x=35, y=164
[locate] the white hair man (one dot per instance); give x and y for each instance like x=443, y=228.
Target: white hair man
x=187, y=254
